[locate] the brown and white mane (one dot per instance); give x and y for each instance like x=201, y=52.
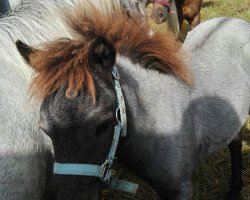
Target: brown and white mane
x=66, y=59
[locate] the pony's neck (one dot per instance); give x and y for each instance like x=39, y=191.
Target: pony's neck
x=155, y=105
x=149, y=91
x=34, y=23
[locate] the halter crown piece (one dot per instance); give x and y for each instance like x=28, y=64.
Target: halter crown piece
x=104, y=171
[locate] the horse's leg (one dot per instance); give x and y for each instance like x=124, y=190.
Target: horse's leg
x=236, y=161
x=195, y=20
x=184, y=192
x=184, y=28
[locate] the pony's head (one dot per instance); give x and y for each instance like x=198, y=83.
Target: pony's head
x=75, y=83
x=160, y=11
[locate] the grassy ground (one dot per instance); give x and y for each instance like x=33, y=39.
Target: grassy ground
x=217, y=8
x=212, y=178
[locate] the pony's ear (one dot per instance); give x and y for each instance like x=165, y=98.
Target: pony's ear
x=25, y=50
x=102, y=55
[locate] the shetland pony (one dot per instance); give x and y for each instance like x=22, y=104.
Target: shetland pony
x=26, y=153
x=181, y=107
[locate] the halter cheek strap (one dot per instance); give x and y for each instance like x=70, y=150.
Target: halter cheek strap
x=104, y=171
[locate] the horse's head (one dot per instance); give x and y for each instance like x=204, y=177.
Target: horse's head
x=74, y=81
x=160, y=11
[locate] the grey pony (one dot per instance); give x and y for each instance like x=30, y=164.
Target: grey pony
x=172, y=127
x=175, y=126
x=26, y=153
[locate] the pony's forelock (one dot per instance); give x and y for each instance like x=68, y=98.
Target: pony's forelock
x=59, y=63
x=66, y=60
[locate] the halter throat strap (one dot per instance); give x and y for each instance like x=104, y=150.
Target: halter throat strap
x=104, y=172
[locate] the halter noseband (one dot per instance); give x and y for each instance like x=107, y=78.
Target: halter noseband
x=104, y=172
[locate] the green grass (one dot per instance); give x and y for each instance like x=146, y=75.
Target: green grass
x=212, y=178
x=217, y=8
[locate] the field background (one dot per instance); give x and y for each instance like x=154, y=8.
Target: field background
x=213, y=176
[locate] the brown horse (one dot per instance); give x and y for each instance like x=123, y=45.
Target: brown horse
x=175, y=12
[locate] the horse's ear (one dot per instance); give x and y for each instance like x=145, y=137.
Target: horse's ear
x=102, y=55
x=25, y=50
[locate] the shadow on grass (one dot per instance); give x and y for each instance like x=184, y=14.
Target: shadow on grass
x=208, y=3
x=145, y=192
x=247, y=137
x=246, y=132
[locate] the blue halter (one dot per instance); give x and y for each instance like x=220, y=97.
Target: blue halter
x=104, y=171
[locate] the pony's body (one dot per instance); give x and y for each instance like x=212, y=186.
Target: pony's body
x=172, y=126
x=26, y=153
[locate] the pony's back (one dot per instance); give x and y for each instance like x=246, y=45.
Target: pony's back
x=220, y=61
x=230, y=42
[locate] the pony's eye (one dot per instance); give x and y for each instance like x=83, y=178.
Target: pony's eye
x=104, y=126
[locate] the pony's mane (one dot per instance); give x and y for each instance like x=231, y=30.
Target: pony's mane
x=66, y=59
